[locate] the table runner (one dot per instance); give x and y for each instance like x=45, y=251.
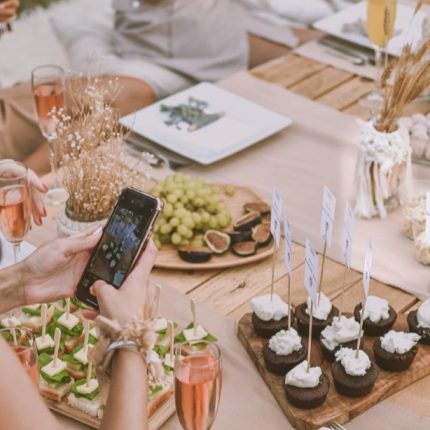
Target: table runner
x=319, y=149
x=246, y=403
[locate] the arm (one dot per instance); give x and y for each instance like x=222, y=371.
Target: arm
x=8, y=9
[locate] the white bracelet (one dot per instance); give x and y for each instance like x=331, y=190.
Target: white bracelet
x=127, y=345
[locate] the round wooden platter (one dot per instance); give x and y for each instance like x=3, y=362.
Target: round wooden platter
x=168, y=257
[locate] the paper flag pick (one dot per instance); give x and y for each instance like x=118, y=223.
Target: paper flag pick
x=311, y=271
x=327, y=215
x=288, y=247
x=368, y=259
x=348, y=227
x=276, y=216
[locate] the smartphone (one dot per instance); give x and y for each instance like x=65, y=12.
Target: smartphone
x=125, y=236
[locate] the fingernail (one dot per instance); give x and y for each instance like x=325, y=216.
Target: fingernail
x=45, y=187
x=97, y=232
x=44, y=212
x=92, y=291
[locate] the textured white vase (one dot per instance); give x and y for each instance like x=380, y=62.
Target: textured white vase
x=67, y=227
x=383, y=168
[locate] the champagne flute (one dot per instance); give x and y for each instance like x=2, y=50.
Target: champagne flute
x=381, y=17
x=15, y=203
x=22, y=341
x=198, y=380
x=48, y=84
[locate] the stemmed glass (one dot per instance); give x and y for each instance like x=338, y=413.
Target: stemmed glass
x=198, y=380
x=15, y=203
x=48, y=84
x=381, y=17
x=23, y=344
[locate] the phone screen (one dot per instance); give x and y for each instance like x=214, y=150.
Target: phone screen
x=121, y=240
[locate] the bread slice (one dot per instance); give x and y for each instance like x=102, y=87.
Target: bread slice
x=34, y=323
x=71, y=343
x=157, y=399
x=76, y=371
x=54, y=392
x=93, y=407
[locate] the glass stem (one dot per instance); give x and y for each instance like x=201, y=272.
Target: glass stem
x=51, y=143
x=16, y=252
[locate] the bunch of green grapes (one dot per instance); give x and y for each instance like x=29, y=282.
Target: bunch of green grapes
x=191, y=206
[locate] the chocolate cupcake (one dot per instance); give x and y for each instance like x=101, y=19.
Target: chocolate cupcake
x=353, y=377
x=270, y=315
x=396, y=350
x=419, y=322
x=379, y=316
x=323, y=314
x=284, y=351
x=341, y=333
x=306, y=390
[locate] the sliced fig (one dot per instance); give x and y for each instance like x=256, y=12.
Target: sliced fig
x=261, y=234
x=245, y=249
x=247, y=221
x=260, y=207
x=195, y=254
x=217, y=241
x=239, y=236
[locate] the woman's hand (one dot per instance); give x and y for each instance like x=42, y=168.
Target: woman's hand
x=53, y=271
x=8, y=9
x=135, y=293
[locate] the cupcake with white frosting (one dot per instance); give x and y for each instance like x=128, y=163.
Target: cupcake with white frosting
x=306, y=389
x=396, y=350
x=354, y=374
x=270, y=315
x=419, y=322
x=379, y=316
x=341, y=333
x=283, y=351
x=323, y=313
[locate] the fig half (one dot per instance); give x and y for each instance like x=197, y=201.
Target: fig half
x=247, y=221
x=239, y=236
x=260, y=207
x=261, y=234
x=245, y=249
x=195, y=254
x=217, y=241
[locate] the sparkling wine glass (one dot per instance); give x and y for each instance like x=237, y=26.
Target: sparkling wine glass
x=15, y=203
x=48, y=84
x=21, y=340
x=198, y=380
x=381, y=17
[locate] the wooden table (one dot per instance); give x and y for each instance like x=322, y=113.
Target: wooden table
x=229, y=291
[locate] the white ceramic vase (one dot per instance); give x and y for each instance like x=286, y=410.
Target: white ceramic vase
x=383, y=168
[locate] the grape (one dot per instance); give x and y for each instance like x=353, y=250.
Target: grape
x=166, y=229
x=172, y=198
x=182, y=230
x=164, y=239
x=213, y=223
x=157, y=243
x=230, y=190
x=168, y=210
x=188, y=222
x=176, y=238
x=223, y=221
x=174, y=222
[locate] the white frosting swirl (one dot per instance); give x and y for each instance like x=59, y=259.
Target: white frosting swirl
x=377, y=309
x=269, y=308
x=422, y=249
x=423, y=314
x=399, y=342
x=299, y=376
x=353, y=365
x=320, y=310
x=341, y=330
x=285, y=342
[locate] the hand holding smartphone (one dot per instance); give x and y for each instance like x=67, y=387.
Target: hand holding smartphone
x=125, y=236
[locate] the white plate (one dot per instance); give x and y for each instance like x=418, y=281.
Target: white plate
x=244, y=124
x=334, y=23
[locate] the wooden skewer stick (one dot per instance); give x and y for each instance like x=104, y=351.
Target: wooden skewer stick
x=322, y=271
x=272, y=287
x=157, y=300
x=289, y=301
x=345, y=272
x=311, y=317
x=86, y=335
x=89, y=372
x=44, y=313
x=57, y=339
x=171, y=338
x=363, y=307
x=15, y=342
x=193, y=310
x=67, y=308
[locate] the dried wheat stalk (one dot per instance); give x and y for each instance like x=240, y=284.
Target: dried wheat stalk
x=410, y=75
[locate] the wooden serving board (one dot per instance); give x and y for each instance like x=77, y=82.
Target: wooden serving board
x=336, y=407
x=168, y=257
x=156, y=420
